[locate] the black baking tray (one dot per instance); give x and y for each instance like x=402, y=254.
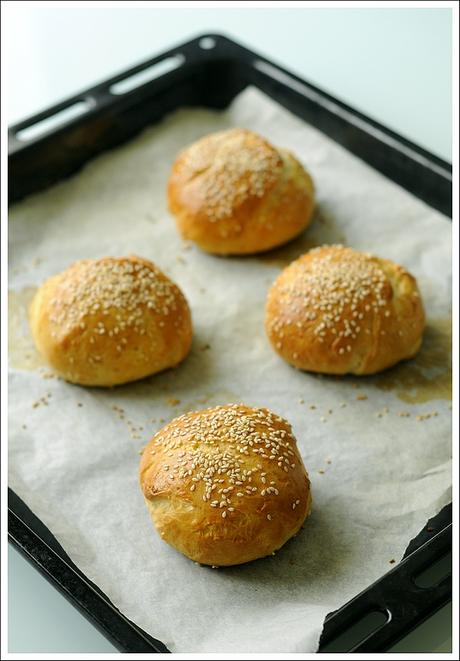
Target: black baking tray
x=209, y=71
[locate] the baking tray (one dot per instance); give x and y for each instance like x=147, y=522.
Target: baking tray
x=209, y=71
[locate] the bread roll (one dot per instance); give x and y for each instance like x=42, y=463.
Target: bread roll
x=225, y=485
x=233, y=193
x=103, y=322
x=336, y=310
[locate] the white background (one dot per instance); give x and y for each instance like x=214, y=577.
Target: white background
x=392, y=64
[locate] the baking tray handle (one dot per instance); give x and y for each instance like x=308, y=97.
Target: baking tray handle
x=404, y=603
x=91, y=603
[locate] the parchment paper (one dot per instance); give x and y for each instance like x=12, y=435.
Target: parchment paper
x=378, y=473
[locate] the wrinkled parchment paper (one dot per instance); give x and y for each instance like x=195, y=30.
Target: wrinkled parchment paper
x=379, y=465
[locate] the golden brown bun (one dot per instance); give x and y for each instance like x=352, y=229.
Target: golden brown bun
x=225, y=485
x=233, y=193
x=103, y=322
x=336, y=310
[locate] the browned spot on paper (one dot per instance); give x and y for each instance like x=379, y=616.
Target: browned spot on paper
x=428, y=376
x=323, y=230
x=21, y=347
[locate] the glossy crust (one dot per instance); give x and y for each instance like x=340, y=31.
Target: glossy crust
x=336, y=310
x=225, y=485
x=233, y=193
x=104, y=322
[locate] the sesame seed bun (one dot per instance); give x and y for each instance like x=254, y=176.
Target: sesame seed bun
x=233, y=193
x=225, y=485
x=104, y=322
x=336, y=310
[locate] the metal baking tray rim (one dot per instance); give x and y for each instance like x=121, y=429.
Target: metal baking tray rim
x=432, y=171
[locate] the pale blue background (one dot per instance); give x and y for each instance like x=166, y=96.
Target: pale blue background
x=392, y=64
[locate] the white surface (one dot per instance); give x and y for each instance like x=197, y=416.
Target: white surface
x=41, y=620
x=398, y=76
x=393, y=64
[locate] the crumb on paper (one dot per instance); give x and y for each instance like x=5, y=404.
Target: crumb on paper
x=312, y=407
x=173, y=401
x=205, y=347
x=361, y=398
x=50, y=375
x=426, y=416
x=392, y=561
x=383, y=412
x=43, y=401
